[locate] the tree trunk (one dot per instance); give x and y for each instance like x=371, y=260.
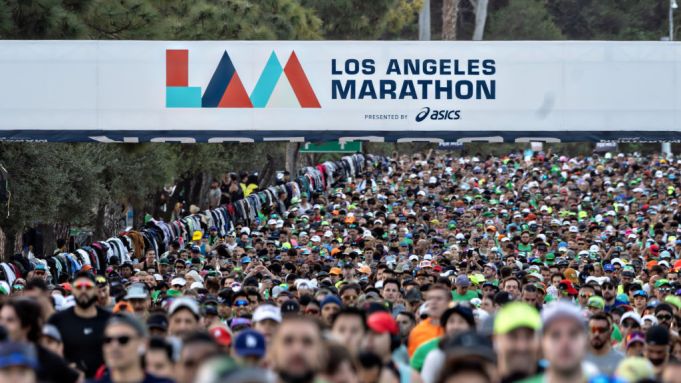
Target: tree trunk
x=424, y=21
x=450, y=15
x=268, y=173
x=480, y=18
x=292, y=153
x=99, y=220
x=10, y=237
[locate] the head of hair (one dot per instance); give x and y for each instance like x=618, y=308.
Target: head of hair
x=36, y=283
x=129, y=321
x=29, y=313
x=351, y=311
x=158, y=343
x=454, y=367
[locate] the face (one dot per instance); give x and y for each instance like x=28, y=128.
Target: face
x=511, y=287
x=349, y=330
x=267, y=328
x=182, y=322
x=517, y=351
x=530, y=297
x=657, y=354
x=390, y=292
x=17, y=374
x=140, y=305
x=437, y=302
x=664, y=318
x=377, y=343
x=456, y=324
x=564, y=345
x=599, y=333
x=191, y=357
x=121, y=346
x=349, y=297
x=85, y=292
x=158, y=363
x=328, y=311
x=11, y=322
x=406, y=324
x=297, y=350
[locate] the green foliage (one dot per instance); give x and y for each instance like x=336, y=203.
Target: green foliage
x=364, y=20
x=522, y=20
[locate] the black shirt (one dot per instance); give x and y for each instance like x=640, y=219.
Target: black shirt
x=82, y=338
x=54, y=368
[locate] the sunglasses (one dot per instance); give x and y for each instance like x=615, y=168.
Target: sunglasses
x=664, y=317
x=599, y=330
x=83, y=285
x=312, y=311
x=241, y=303
x=629, y=324
x=122, y=340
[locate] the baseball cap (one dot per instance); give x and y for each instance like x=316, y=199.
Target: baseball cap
x=18, y=354
x=137, y=291
x=635, y=369
x=178, y=281
x=290, y=307
x=52, y=331
x=184, y=303
x=382, y=322
x=635, y=337
x=470, y=343
x=631, y=315
x=264, y=312
x=157, y=321
x=249, y=343
x=596, y=302
x=561, y=310
x=221, y=335
x=462, y=280
x=516, y=315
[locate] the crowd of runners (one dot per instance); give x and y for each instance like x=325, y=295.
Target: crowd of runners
x=430, y=268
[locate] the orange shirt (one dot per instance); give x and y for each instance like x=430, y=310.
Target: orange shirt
x=423, y=332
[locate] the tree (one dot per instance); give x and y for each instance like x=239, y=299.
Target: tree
x=450, y=17
x=523, y=20
x=365, y=20
x=480, y=7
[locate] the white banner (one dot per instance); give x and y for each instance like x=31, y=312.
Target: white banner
x=191, y=91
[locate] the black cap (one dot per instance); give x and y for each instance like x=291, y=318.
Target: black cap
x=470, y=343
x=290, y=307
x=658, y=336
x=465, y=312
x=157, y=321
x=502, y=297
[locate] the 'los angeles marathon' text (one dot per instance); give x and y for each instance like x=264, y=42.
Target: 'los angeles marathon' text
x=415, y=89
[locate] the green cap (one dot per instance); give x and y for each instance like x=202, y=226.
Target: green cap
x=516, y=315
x=596, y=302
x=673, y=300
x=163, y=261
x=662, y=282
x=174, y=293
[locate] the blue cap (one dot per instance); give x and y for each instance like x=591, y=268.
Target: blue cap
x=40, y=266
x=640, y=293
x=330, y=299
x=249, y=343
x=246, y=260
x=17, y=354
x=608, y=267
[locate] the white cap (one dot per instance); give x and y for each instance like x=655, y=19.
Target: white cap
x=264, y=312
x=184, y=302
x=651, y=318
x=428, y=257
x=574, y=229
x=631, y=315
x=315, y=238
x=594, y=249
x=413, y=257
x=196, y=285
x=328, y=234
x=178, y=281
x=272, y=222
x=561, y=309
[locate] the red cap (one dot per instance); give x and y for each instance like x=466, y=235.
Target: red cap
x=222, y=336
x=568, y=287
x=66, y=286
x=86, y=268
x=382, y=322
x=654, y=248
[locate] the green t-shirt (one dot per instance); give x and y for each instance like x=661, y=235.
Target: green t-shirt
x=470, y=294
x=422, y=351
